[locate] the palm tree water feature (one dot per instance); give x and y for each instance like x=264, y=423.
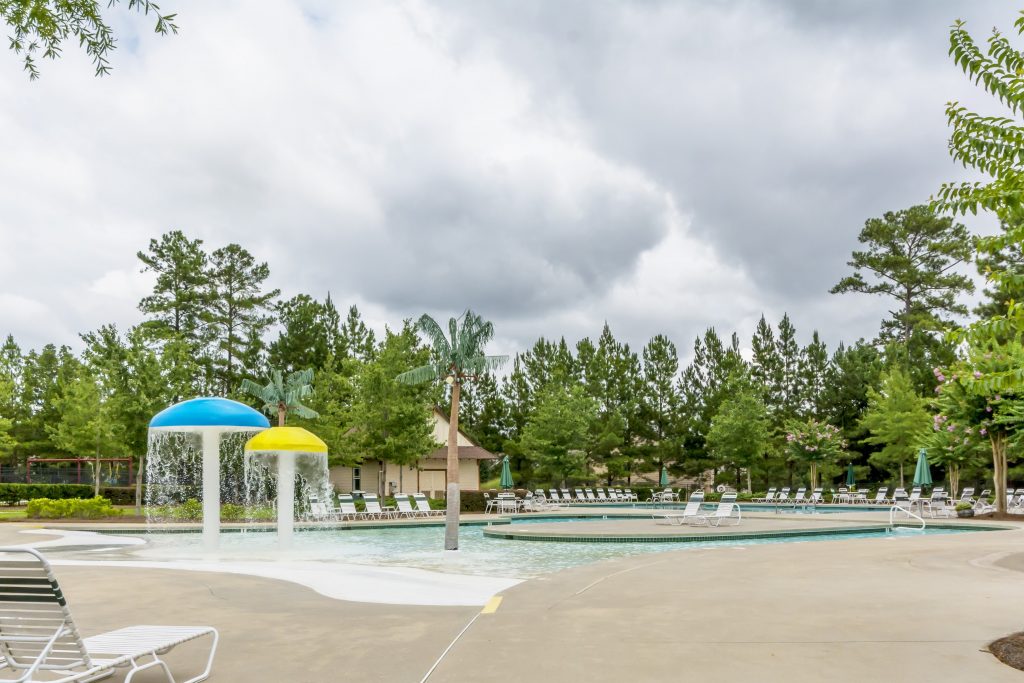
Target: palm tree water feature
x=180, y=436
x=286, y=453
x=457, y=357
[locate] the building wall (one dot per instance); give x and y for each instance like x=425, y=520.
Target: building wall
x=441, y=433
x=430, y=476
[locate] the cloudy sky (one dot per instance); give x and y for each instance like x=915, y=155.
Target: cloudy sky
x=664, y=166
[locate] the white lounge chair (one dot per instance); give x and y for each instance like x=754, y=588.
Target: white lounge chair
x=489, y=503
x=347, y=507
x=727, y=510
x=818, y=497
x=679, y=517
x=404, y=507
x=39, y=635
x=800, y=496
x=881, y=496
x=630, y=495
x=783, y=495
x=768, y=497
x=373, y=508
x=423, y=506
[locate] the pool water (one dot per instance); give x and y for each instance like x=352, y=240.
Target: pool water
x=421, y=547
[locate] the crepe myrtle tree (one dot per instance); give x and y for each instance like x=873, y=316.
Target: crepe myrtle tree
x=457, y=357
x=975, y=403
x=815, y=443
x=284, y=395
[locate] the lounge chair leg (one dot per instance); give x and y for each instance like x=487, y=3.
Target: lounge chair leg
x=149, y=665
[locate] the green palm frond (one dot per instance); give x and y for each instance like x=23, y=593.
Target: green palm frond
x=290, y=391
x=459, y=353
x=418, y=375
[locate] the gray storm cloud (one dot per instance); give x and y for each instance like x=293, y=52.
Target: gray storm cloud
x=661, y=166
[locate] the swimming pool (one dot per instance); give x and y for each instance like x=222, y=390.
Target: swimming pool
x=420, y=548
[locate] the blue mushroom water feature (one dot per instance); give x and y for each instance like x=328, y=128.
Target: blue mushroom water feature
x=210, y=417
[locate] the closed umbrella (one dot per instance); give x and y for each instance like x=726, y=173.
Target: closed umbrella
x=851, y=478
x=922, y=475
x=506, y=474
x=664, y=477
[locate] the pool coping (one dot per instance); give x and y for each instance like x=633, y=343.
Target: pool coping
x=513, y=535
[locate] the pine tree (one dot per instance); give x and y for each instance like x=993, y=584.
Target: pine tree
x=766, y=365
x=305, y=339
x=814, y=375
x=911, y=258
x=355, y=338
x=661, y=405
x=238, y=312
x=177, y=310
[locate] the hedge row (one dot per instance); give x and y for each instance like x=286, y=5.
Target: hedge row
x=12, y=494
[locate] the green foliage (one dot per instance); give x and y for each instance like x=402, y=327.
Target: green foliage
x=13, y=494
x=388, y=420
x=739, y=435
x=309, y=334
x=897, y=420
x=993, y=145
x=237, y=311
x=281, y=396
x=459, y=354
x=71, y=508
x=815, y=443
x=554, y=438
x=910, y=257
x=41, y=26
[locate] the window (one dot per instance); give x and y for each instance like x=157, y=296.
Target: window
x=357, y=479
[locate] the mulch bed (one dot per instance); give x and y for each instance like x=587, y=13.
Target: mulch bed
x=1009, y=650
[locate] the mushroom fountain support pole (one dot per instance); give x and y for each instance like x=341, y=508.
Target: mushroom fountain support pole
x=285, y=500
x=211, y=486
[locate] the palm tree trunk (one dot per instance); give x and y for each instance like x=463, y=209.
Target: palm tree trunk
x=282, y=412
x=451, y=525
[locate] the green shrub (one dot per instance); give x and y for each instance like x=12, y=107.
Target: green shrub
x=963, y=505
x=229, y=512
x=13, y=494
x=121, y=495
x=71, y=508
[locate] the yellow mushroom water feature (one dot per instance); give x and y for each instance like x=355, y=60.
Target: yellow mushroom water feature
x=287, y=452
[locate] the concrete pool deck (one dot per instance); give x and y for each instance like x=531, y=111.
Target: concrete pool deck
x=906, y=608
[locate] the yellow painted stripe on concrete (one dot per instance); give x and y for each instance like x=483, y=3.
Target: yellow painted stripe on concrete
x=492, y=605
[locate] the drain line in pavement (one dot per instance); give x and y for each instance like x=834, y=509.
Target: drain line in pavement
x=450, y=646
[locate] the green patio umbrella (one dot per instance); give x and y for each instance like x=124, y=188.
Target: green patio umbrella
x=851, y=478
x=664, y=477
x=922, y=475
x=506, y=474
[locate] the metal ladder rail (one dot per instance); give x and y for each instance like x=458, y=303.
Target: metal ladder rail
x=909, y=513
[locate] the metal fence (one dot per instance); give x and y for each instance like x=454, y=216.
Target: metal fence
x=113, y=472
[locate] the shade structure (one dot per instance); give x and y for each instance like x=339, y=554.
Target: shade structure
x=285, y=440
x=288, y=451
x=209, y=411
x=922, y=474
x=851, y=478
x=210, y=417
x=663, y=481
x=506, y=474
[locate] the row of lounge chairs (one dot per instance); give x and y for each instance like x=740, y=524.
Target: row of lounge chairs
x=727, y=511
x=587, y=495
x=406, y=505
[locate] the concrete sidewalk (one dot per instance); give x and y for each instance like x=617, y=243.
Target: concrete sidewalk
x=910, y=608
